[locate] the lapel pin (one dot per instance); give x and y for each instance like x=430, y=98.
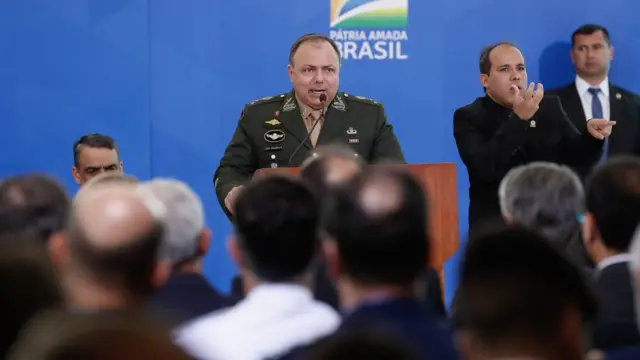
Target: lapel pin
x=352, y=131
x=618, y=96
x=273, y=122
x=532, y=123
x=276, y=113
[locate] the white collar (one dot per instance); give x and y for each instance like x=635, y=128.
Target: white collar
x=615, y=259
x=583, y=87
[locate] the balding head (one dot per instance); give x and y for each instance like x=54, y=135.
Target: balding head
x=114, y=235
x=186, y=238
x=330, y=166
x=378, y=222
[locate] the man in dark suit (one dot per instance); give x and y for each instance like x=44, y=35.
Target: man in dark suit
x=279, y=131
x=591, y=95
x=519, y=298
x=186, y=294
x=513, y=125
x=613, y=214
x=376, y=249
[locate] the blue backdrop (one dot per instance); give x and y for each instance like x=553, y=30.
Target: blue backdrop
x=167, y=79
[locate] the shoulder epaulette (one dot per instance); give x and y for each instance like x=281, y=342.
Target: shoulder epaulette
x=361, y=99
x=268, y=99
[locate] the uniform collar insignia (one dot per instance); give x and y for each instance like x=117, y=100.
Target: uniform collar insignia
x=339, y=104
x=289, y=103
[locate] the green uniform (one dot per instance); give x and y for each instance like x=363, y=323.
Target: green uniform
x=271, y=129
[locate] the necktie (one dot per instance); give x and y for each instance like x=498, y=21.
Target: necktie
x=598, y=113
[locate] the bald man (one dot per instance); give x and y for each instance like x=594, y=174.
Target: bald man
x=110, y=257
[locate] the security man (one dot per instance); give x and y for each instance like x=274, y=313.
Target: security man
x=280, y=131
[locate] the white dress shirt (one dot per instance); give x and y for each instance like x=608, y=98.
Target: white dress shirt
x=615, y=259
x=586, y=98
x=270, y=321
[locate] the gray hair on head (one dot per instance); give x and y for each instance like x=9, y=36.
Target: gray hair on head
x=544, y=196
x=184, y=219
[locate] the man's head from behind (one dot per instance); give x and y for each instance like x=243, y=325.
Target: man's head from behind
x=613, y=207
x=186, y=239
x=276, y=229
x=591, y=51
x=543, y=196
x=377, y=230
x=33, y=203
x=330, y=166
x=501, y=67
x=94, y=154
x=114, y=235
x=518, y=296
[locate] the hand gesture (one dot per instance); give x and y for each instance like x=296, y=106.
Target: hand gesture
x=525, y=105
x=600, y=128
x=230, y=199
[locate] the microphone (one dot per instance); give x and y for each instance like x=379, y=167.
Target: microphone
x=323, y=99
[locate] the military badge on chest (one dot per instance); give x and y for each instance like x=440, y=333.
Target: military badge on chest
x=273, y=136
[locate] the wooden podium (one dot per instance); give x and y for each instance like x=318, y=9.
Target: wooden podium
x=439, y=182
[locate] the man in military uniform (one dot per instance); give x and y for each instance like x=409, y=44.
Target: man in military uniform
x=280, y=131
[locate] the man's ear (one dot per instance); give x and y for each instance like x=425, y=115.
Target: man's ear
x=204, y=242
x=76, y=175
x=332, y=259
x=484, y=80
x=234, y=251
x=161, y=273
x=58, y=249
x=589, y=231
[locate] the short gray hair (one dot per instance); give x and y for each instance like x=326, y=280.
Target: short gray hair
x=185, y=219
x=544, y=196
x=634, y=267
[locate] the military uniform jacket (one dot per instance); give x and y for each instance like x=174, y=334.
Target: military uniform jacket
x=271, y=133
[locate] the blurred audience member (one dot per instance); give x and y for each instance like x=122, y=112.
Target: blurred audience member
x=28, y=284
x=109, y=259
x=519, y=298
x=613, y=214
x=187, y=293
x=369, y=345
x=274, y=244
x=550, y=199
x=65, y=336
x=377, y=248
x=33, y=203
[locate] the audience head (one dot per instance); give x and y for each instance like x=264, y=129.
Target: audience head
x=58, y=335
x=112, y=178
x=114, y=235
x=634, y=269
x=543, y=196
x=94, y=154
x=501, y=67
x=613, y=207
x=276, y=229
x=363, y=344
x=519, y=296
x=28, y=284
x=186, y=238
x=330, y=166
x=377, y=229
x=33, y=203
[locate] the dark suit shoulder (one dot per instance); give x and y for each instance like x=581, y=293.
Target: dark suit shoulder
x=268, y=100
x=356, y=99
x=561, y=90
x=625, y=93
x=471, y=109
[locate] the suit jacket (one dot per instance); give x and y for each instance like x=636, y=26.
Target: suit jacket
x=187, y=296
x=624, y=109
x=626, y=353
x=271, y=133
x=405, y=319
x=616, y=325
x=492, y=140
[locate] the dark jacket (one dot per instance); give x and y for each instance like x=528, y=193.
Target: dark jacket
x=492, y=140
